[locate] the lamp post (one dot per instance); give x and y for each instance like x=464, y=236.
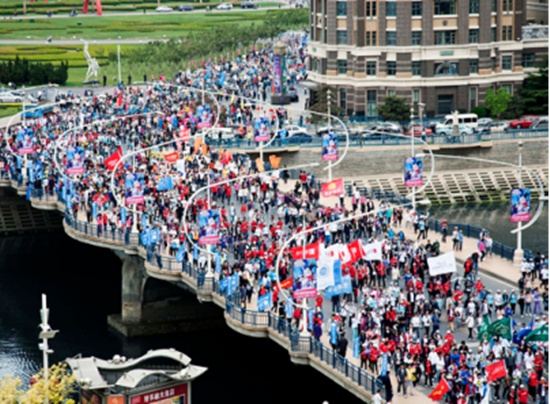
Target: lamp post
x=46, y=334
x=412, y=154
x=328, y=113
x=518, y=252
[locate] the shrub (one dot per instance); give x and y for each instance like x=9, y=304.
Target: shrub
x=480, y=111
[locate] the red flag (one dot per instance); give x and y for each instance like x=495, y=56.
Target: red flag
x=496, y=370
x=172, y=157
x=184, y=134
x=119, y=102
x=333, y=188
x=356, y=250
x=440, y=390
x=311, y=252
x=113, y=159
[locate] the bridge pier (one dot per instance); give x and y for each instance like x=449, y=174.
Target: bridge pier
x=133, y=283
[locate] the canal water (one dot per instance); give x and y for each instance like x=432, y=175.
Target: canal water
x=496, y=218
x=83, y=286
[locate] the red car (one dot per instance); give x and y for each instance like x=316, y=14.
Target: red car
x=418, y=130
x=525, y=122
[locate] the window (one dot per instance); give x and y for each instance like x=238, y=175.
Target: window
x=416, y=96
x=474, y=66
x=507, y=88
x=504, y=5
x=371, y=103
x=391, y=9
x=507, y=62
x=371, y=9
x=504, y=30
x=370, y=38
x=473, y=98
x=444, y=7
x=391, y=38
x=416, y=38
x=493, y=34
x=509, y=32
x=473, y=36
x=367, y=9
x=445, y=37
x=511, y=5
x=417, y=8
x=341, y=8
x=493, y=6
x=343, y=98
x=342, y=66
x=493, y=63
x=474, y=7
x=528, y=60
x=391, y=67
x=417, y=68
x=371, y=68
x=391, y=93
x=342, y=37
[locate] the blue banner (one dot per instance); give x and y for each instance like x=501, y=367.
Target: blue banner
x=144, y=221
x=310, y=319
x=356, y=343
x=333, y=332
x=94, y=210
x=265, y=302
x=289, y=307
x=195, y=253
x=153, y=236
x=181, y=252
x=337, y=272
x=165, y=184
x=233, y=284
x=145, y=238
x=218, y=260
x=123, y=215
x=341, y=288
x=384, y=370
x=29, y=192
x=521, y=334
x=224, y=283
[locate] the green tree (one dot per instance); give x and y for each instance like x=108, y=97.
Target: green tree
x=497, y=102
x=515, y=109
x=395, y=109
x=535, y=90
x=322, y=104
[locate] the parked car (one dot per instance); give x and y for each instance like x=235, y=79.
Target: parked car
x=299, y=137
x=463, y=119
x=540, y=124
x=217, y=133
x=448, y=130
x=523, y=123
x=224, y=6
x=164, y=9
x=249, y=4
x=418, y=130
x=492, y=127
x=7, y=97
x=483, y=121
x=185, y=7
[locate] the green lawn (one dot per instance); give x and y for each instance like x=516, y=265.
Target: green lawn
x=139, y=26
x=8, y=111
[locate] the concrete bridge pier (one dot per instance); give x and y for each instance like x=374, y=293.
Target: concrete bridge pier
x=133, y=285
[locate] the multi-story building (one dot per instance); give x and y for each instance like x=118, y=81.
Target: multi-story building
x=443, y=53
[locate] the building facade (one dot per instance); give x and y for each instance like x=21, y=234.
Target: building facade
x=443, y=53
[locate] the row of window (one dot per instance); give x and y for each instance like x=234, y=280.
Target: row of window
x=527, y=60
x=440, y=38
x=441, y=7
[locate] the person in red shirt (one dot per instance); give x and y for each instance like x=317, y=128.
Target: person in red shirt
x=533, y=381
x=319, y=301
x=523, y=395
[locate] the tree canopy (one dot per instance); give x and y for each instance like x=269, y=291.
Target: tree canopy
x=395, y=109
x=535, y=90
x=497, y=102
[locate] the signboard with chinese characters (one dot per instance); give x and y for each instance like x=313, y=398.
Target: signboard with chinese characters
x=168, y=395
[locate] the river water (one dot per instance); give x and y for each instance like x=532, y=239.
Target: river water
x=83, y=286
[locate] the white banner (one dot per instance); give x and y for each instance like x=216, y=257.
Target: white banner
x=325, y=270
x=180, y=166
x=443, y=264
x=373, y=251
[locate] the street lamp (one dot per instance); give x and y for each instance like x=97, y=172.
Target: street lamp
x=330, y=161
x=518, y=252
x=411, y=132
x=46, y=334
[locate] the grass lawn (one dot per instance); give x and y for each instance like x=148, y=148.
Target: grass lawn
x=8, y=111
x=137, y=26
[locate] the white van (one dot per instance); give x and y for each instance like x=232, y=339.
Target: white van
x=463, y=119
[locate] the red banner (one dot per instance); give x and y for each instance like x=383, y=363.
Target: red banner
x=496, y=370
x=440, y=390
x=333, y=188
x=172, y=157
x=113, y=159
x=184, y=134
x=356, y=250
x=311, y=252
x=162, y=395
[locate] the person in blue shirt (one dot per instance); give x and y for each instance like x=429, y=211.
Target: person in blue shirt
x=391, y=234
x=465, y=376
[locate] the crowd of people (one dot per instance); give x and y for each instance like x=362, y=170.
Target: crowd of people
x=398, y=318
